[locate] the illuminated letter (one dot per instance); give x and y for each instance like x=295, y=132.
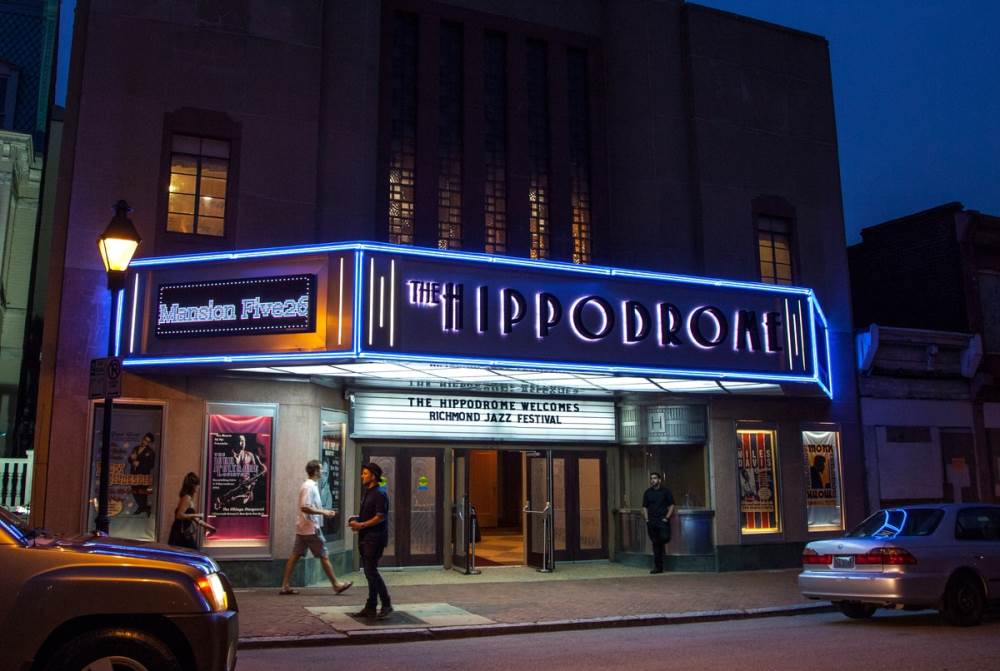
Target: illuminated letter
x=670, y=324
x=747, y=331
x=452, y=306
x=577, y=317
x=721, y=327
x=772, y=320
x=483, y=303
x=550, y=306
x=512, y=309
x=635, y=329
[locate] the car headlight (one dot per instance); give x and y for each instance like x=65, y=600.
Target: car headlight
x=211, y=588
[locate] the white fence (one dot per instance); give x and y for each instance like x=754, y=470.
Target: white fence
x=15, y=481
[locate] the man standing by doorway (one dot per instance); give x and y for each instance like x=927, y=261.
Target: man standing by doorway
x=373, y=535
x=308, y=532
x=658, y=508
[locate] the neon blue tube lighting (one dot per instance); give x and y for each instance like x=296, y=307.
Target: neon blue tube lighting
x=119, y=310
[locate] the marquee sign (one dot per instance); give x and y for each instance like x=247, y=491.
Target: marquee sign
x=425, y=416
x=378, y=302
x=246, y=306
x=626, y=320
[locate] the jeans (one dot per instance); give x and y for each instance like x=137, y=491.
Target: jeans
x=370, y=554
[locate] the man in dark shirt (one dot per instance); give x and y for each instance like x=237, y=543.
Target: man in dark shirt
x=658, y=508
x=373, y=535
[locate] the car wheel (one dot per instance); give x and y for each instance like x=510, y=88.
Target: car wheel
x=113, y=649
x=856, y=610
x=964, y=602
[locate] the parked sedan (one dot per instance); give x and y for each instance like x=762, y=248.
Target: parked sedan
x=109, y=603
x=944, y=556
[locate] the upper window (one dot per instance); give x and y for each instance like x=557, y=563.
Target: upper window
x=8, y=94
x=403, y=141
x=199, y=173
x=774, y=247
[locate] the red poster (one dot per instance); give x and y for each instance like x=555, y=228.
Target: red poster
x=239, y=478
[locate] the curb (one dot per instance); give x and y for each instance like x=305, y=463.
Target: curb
x=369, y=636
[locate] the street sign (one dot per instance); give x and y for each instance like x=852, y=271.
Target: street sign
x=106, y=377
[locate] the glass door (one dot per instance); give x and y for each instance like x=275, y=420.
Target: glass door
x=540, y=511
x=574, y=485
x=461, y=525
x=412, y=479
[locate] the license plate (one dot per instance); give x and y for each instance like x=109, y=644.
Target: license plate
x=846, y=561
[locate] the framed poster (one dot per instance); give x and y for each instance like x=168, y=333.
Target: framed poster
x=238, y=475
x=134, y=482
x=331, y=483
x=756, y=463
x=821, y=461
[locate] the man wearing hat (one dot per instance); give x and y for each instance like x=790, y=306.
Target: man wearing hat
x=373, y=535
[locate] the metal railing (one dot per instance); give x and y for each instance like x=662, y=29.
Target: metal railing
x=548, y=552
x=15, y=481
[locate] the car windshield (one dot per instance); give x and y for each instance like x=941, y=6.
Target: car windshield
x=12, y=525
x=899, y=522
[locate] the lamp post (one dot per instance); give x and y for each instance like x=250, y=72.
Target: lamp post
x=117, y=245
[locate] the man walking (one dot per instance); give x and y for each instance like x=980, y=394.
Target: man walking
x=658, y=508
x=308, y=533
x=373, y=535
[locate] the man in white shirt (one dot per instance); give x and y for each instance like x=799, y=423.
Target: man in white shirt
x=308, y=533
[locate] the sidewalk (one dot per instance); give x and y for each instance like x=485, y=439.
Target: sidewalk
x=435, y=603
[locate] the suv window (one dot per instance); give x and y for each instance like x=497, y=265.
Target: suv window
x=899, y=522
x=978, y=524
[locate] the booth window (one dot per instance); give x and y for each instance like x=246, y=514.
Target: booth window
x=757, y=476
x=821, y=459
x=199, y=174
x=774, y=247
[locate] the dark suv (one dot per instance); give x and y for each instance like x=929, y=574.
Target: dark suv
x=111, y=603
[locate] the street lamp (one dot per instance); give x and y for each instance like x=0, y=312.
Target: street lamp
x=117, y=245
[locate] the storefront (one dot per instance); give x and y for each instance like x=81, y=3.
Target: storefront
x=537, y=394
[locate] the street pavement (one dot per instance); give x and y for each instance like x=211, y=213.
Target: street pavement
x=443, y=604
x=818, y=642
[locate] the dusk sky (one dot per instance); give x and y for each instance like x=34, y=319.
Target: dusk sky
x=917, y=92
x=917, y=97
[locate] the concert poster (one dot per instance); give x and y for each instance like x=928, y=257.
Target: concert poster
x=331, y=482
x=238, y=479
x=133, y=488
x=758, y=494
x=821, y=462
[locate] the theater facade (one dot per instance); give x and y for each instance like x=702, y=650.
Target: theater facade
x=535, y=396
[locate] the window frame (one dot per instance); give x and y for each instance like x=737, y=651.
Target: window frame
x=778, y=528
x=9, y=101
x=206, y=125
x=775, y=207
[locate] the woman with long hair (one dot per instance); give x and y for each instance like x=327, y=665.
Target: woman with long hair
x=182, y=531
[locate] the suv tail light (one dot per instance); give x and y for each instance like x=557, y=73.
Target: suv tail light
x=886, y=557
x=810, y=556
